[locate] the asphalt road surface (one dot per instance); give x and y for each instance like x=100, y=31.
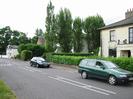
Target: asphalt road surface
x=57, y=83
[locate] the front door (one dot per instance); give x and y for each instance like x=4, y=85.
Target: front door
x=100, y=70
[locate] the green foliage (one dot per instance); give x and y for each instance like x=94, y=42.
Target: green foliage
x=125, y=63
x=91, y=26
x=34, y=40
x=17, y=56
x=65, y=30
x=26, y=55
x=51, y=29
x=37, y=50
x=78, y=35
x=73, y=54
x=39, y=32
x=11, y=37
x=5, y=91
x=21, y=48
x=71, y=60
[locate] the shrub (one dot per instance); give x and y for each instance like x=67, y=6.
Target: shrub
x=73, y=54
x=125, y=63
x=26, y=55
x=37, y=50
x=21, y=48
x=18, y=56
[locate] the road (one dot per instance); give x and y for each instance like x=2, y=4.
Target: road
x=57, y=83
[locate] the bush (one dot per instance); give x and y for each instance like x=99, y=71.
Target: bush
x=125, y=63
x=37, y=50
x=73, y=54
x=26, y=55
x=71, y=60
x=17, y=56
x=21, y=48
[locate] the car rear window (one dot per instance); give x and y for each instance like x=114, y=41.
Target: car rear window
x=87, y=63
x=91, y=63
x=83, y=62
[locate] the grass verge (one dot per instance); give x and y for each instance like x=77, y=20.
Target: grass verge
x=5, y=91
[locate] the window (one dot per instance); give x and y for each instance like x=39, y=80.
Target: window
x=131, y=35
x=99, y=64
x=112, y=35
x=90, y=63
x=112, y=52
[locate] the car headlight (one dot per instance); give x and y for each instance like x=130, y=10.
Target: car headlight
x=123, y=75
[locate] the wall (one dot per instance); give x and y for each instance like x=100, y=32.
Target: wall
x=121, y=34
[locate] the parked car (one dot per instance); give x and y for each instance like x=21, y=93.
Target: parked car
x=39, y=62
x=104, y=70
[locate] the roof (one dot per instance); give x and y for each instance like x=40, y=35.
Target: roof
x=127, y=21
x=12, y=47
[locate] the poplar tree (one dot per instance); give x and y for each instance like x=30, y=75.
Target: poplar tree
x=65, y=30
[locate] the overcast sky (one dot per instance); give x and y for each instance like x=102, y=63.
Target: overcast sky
x=28, y=15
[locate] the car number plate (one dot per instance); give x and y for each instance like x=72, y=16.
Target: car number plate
x=131, y=78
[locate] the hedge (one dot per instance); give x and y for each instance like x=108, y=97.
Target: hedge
x=37, y=50
x=125, y=63
x=74, y=54
x=26, y=55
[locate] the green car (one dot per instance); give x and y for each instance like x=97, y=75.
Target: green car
x=104, y=70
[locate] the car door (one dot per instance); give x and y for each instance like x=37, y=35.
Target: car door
x=91, y=67
x=100, y=70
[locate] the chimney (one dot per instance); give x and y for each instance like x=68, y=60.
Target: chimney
x=129, y=13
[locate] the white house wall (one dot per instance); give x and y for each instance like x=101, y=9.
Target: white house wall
x=121, y=34
x=104, y=41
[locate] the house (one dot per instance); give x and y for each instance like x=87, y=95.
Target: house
x=11, y=51
x=117, y=38
x=40, y=40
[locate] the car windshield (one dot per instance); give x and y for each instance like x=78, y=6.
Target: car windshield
x=41, y=59
x=110, y=65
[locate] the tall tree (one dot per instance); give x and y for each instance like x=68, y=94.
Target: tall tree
x=65, y=30
x=12, y=37
x=78, y=36
x=5, y=36
x=50, y=35
x=91, y=25
x=39, y=32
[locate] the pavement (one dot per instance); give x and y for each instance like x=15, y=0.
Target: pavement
x=57, y=82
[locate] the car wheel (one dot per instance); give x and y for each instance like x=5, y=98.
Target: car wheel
x=84, y=75
x=31, y=64
x=37, y=65
x=48, y=66
x=112, y=80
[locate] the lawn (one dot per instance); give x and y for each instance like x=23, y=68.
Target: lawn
x=5, y=91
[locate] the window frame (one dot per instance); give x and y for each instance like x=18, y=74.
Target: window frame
x=130, y=35
x=112, y=37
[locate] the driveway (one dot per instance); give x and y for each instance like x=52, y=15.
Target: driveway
x=57, y=83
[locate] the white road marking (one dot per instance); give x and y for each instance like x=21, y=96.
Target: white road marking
x=28, y=69
x=32, y=69
x=90, y=86
x=72, y=82
x=82, y=85
x=5, y=65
